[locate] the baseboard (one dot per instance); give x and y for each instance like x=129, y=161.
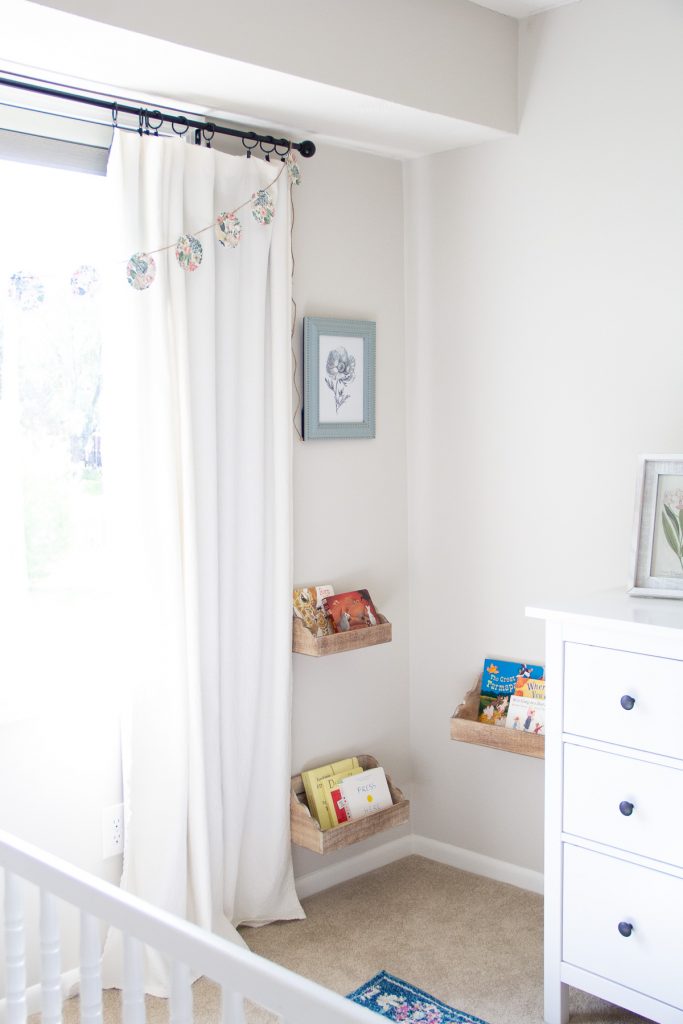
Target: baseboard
x=358, y=864
x=455, y=856
x=478, y=863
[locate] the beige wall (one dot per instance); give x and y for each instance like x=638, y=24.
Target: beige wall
x=545, y=354
x=450, y=57
x=350, y=502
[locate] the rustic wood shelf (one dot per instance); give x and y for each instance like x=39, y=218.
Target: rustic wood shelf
x=303, y=641
x=466, y=728
x=307, y=832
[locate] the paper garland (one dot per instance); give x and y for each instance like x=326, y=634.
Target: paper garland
x=141, y=271
x=28, y=291
x=189, y=252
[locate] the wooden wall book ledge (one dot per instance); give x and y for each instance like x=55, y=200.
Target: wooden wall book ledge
x=307, y=832
x=303, y=641
x=466, y=728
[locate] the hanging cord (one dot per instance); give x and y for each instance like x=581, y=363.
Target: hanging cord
x=294, y=359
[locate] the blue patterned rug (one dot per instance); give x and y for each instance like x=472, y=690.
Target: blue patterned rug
x=399, y=1001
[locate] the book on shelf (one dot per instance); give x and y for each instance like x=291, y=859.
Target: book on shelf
x=527, y=714
x=351, y=610
x=308, y=606
x=313, y=781
x=358, y=796
x=502, y=680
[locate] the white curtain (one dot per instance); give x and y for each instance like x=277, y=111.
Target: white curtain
x=197, y=455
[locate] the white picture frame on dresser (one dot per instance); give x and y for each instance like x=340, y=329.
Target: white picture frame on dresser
x=614, y=783
x=657, y=549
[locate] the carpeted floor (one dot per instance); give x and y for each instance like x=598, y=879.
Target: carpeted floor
x=471, y=942
x=475, y=944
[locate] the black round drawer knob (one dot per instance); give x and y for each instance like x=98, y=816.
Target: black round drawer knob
x=627, y=702
x=625, y=928
x=626, y=808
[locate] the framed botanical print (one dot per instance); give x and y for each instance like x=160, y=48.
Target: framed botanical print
x=657, y=567
x=339, y=378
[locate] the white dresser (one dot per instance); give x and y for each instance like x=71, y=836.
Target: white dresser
x=614, y=804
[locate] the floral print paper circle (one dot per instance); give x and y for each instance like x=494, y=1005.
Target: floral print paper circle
x=85, y=280
x=189, y=252
x=27, y=290
x=293, y=169
x=262, y=207
x=228, y=229
x=141, y=271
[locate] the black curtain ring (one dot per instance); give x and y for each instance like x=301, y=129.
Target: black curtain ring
x=251, y=136
x=208, y=133
x=182, y=121
x=115, y=115
x=141, y=121
x=268, y=141
x=155, y=115
x=282, y=148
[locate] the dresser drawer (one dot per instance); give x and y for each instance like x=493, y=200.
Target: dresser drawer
x=625, y=803
x=600, y=893
x=595, y=681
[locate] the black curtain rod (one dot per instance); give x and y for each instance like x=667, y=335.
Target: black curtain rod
x=151, y=120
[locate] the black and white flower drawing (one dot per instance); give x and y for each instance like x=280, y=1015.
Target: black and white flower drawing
x=340, y=371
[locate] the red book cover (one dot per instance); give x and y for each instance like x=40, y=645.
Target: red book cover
x=352, y=610
x=339, y=807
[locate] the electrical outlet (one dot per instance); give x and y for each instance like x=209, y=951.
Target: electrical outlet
x=112, y=831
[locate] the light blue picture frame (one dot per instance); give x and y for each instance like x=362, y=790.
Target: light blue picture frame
x=339, y=378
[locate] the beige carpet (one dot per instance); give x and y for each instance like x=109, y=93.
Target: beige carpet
x=473, y=943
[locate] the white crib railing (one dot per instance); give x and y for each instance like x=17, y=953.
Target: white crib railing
x=240, y=973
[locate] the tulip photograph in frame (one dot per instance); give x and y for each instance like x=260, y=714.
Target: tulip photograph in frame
x=339, y=378
x=657, y=567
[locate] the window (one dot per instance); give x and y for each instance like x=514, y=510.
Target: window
x=53, y=590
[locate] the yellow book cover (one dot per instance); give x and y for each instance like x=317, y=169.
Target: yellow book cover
x=328, y=785
x=312, y=779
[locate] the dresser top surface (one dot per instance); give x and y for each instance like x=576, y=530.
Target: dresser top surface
x=615, y=609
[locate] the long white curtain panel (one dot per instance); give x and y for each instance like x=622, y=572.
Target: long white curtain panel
x=197, y=373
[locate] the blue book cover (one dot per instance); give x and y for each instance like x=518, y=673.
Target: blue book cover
x=498, y=684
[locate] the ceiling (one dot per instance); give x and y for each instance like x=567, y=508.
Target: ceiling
x=522, y=8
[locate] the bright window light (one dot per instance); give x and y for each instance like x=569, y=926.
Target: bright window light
x=53, y=581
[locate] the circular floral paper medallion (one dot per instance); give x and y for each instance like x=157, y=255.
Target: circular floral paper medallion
x=141, y=271
x=27, y=290
x=262, y=208
x=228, y=229
x=293, y=169
x=85, y=280
x=189, y=252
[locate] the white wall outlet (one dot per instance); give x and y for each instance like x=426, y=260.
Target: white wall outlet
x=112, y=831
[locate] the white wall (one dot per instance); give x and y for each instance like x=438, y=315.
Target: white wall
x=59, y=770
x=350, y=503
x=545, y=352
x=450, y=57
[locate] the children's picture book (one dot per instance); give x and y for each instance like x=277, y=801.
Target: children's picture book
x=313, y=785
x=352, y=610
x=308, y=606
x=527, y=715
x=360, y=795
x=500, y=681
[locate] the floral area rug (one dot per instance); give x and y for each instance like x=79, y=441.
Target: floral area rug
x=398, y=1001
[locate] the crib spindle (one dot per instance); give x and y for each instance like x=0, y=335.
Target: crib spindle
x=232, y=1007
x=15, y=951
x=133, y=981
x=181, y=995
x=50, y=960
x=91, y=973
